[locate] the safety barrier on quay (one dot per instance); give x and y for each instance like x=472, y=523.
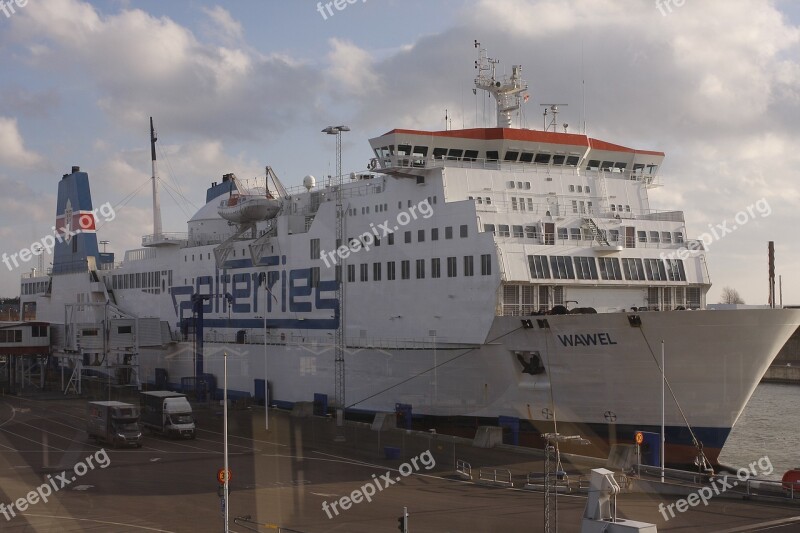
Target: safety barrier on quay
x=561, y=483
x=774, y=489
x=500, y=476
x=464, y=468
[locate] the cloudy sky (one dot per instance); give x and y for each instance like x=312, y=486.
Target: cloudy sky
x=234, y=86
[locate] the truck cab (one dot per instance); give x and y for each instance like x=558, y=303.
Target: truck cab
x=114, y=422
x=168, y=413
x=179, y=421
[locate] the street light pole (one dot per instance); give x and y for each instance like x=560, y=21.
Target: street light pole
x=663, y=434
x=266, y=376
x=340, y=286
x=267, y=294
x=225, y=437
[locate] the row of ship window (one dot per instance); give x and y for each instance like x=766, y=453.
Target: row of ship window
x=35, y=287
x=605, y=268
x=576, y=234
x=143, y=280
x=15, y=335
x=526, y=299
x=381, y=208
x=10, y=335
x=463, y=232
x=420, y=271
x=418, y=154
x=526, y=204
x=526, y=185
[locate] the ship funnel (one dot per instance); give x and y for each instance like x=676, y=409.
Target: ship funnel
x=76, y=246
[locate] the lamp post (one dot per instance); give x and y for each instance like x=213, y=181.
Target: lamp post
x=266, y=379
x=663, y=434
x=340, y=292
x=226, y=485
x=267, y=294
x=226, y=491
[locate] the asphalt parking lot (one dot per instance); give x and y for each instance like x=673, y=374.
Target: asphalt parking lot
x=294, y=475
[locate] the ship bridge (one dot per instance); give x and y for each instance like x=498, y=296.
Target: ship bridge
x=512, y=149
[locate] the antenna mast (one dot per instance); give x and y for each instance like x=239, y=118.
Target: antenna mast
x=507, y=92
x=554, y=121
x=157, y=231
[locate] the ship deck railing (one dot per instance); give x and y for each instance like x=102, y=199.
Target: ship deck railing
x=527, y=310
x=256, y=337
x=164, y=238
x=37, y=274
x=501, y=238
x=350, y=189
x=563, y=207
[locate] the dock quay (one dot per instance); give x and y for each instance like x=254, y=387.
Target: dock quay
x=286, y=476
x=786, y=366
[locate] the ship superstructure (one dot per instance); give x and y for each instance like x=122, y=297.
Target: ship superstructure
x=489, y=272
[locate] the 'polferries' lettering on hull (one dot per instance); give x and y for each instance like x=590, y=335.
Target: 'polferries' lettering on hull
x=295, y=291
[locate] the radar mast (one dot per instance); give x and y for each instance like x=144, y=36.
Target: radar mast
x=508, y=92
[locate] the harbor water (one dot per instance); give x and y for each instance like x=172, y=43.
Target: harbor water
x=769, y=425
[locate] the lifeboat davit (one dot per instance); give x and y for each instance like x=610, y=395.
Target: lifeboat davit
x=245, y=208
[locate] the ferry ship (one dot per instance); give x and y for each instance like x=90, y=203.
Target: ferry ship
x=466, y=277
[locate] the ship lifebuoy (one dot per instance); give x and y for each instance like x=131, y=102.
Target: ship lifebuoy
x=373, y=164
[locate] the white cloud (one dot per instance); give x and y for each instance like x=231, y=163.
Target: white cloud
x=224, y=23
x=350, y=70
x=141, y=65
x=12, y=147
x=524, y=18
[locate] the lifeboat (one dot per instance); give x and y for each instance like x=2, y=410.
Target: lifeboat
x=246, y=208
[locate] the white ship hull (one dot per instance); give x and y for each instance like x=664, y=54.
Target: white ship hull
x=605, y=391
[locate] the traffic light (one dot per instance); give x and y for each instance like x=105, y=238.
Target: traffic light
x=401, y=524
